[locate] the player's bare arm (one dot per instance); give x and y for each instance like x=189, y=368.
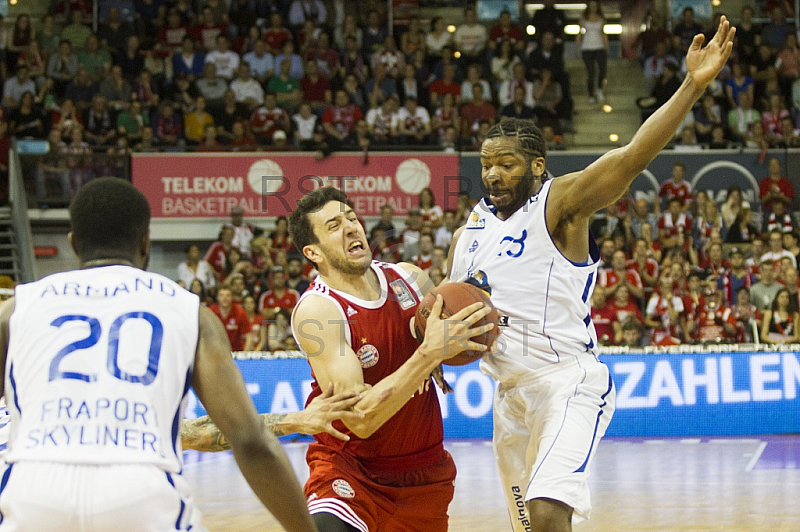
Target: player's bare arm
x=220, y=387
x=6, y=310
x=202, y=434
x=425, y=284
x=321, y=335
x=576, y=197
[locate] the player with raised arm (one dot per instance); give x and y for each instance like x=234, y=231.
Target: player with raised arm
x=353, y=324
x=97, y=364
x=530, y=241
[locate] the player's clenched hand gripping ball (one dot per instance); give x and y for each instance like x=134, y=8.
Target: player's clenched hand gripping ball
x=457, y=296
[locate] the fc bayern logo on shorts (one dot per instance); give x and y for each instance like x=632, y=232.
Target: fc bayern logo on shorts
x=343, y=488
x=368, y=355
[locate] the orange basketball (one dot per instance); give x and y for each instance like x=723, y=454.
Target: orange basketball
x=455, y=297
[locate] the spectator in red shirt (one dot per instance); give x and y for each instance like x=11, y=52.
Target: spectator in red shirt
x=664, y=314
x=232, y=316
x=339, y=120
x=218, y=252
x=316, y=88
x=602, y=317
x=645, y=266
x=477, y=110
x=619, y=275
x=446, y=84
x=278, y=296
x=276, y=34
x=171, y=36
x=677, y=187
x=267, y=119
x=506, y=30
x=775, y=186
x=715, y=322
x=673, y=222
x=208, y=30
x=257, y=335
x=621, y=308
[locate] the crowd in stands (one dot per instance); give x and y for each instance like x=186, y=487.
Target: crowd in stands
x=754, y=102
x=691, y=270
x=272, y=75
x=252, y=279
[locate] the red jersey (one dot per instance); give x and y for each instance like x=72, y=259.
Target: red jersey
x=710, y=323
x=315, y=91
x=441, y=87
x=236, y=323
x=271, y=119
x=380, y=336
x=673, y=226
x=767, y=184
x=276, y=37
x=270, y=299
x=609, y=278
x=513, y=33
x=602, y=318
x=343, y=118
x=216, y=256
x=670, y=189
x=622, y=313
x=173, y=37
x=207, y=35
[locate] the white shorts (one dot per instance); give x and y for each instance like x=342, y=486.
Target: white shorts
x=546, y=429
x=37, y=496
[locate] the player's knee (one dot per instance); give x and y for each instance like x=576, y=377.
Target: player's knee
x=331, y=523
x=548, y=515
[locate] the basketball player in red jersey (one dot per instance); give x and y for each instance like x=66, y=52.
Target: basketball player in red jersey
x=353, y=323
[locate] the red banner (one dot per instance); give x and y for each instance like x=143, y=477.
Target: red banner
x=208, y=185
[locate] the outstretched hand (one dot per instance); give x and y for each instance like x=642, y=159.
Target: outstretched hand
x=703, y=64
x=323, y=410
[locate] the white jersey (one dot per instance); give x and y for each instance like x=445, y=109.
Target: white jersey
x=543, y=297
x=99, y=364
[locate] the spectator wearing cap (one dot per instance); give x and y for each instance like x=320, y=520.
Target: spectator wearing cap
x=280, y=141
x=279, y=295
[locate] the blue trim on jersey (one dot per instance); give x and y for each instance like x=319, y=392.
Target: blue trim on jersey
x=14, y=387
x=183, y=504
x=544, y=317
x=176, y=422
x=586, y=288
x=582, y=468
x=588, y=321
x=3, y=484
x=594, y=251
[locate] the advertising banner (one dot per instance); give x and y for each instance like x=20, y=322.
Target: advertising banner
x=658, y=394
x=207, y=185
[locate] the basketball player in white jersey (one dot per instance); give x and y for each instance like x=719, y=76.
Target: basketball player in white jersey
x=97, y=364
x=529, y=243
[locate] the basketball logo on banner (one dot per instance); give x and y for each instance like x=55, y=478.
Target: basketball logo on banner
x=412, y=176
x=265, y=177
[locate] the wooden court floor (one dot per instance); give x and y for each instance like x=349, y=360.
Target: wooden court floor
x=736, y=484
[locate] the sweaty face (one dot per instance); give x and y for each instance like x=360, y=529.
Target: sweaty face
x=508, y=178
x=342, y=242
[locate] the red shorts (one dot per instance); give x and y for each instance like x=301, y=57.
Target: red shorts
x=412, y=501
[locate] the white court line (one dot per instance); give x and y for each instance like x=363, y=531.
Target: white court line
x=752, y=463
x=691, y=441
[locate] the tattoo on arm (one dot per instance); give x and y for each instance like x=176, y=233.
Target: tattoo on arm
x=202, y=434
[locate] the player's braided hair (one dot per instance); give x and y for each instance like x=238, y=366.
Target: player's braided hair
x=530, y=137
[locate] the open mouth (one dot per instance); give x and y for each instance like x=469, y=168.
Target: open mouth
x=356, y=248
